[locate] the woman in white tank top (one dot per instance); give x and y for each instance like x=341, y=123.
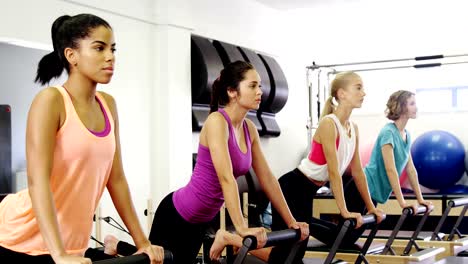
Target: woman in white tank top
x=336, y=141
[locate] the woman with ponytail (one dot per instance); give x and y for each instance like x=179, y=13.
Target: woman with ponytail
x=334, y=147
x=229, y=146
x=72, y=153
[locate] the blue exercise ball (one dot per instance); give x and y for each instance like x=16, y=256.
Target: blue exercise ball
x=439, y=158
x=455, y=189
x=466, y=162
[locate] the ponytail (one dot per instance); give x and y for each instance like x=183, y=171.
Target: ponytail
x=49, y=67
x=214, y=104
x=328, y=107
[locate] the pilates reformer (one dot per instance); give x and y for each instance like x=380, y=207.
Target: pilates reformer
x=277, y=238
x=408, y=250
x=386, y=251
x=135, y=259
x=317, y=249
x=451, y=245
x=452, y=204
x=273, y=239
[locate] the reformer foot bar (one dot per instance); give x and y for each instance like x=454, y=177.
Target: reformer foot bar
x=318, y=249
x=451, y=204
x=273, y=239
x=428, y=253
x=135, y=259
x=456, y=246
x=451, y=246
x=375, y=253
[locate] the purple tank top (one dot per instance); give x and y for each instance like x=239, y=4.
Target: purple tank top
x=200, y=200
x=107, y=127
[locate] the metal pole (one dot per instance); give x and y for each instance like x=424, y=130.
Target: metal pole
x=419, y=58
x=318, y=93
x=309, y=119
x=416, y=66
x=321, y=95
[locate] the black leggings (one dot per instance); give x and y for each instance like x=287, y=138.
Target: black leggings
x=299, y=193
x=9, y=256
x=173, y=233
x=354, y=203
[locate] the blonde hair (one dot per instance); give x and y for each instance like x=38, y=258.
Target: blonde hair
x=340, y=81
x=396, y=104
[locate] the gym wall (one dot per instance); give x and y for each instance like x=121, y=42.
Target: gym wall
x=17, y=71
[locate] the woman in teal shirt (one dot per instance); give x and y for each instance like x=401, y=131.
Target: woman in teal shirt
x=390, y=156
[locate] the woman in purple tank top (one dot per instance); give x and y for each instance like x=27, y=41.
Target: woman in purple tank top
x=229, y=146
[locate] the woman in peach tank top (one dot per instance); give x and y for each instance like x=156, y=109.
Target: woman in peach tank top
x=72, y=153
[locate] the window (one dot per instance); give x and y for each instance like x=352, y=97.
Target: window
x=462, y=98
x=442, y=99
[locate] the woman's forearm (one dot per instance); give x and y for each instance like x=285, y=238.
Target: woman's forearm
x=44, y=210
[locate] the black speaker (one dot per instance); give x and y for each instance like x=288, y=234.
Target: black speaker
x=228, y=52
x=5, y=149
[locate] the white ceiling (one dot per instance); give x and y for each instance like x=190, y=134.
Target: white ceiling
x=293, y=4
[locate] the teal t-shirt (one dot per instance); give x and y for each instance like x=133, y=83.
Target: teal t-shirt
x=379, y=185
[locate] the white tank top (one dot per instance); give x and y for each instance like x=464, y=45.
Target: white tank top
x=345, y=154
